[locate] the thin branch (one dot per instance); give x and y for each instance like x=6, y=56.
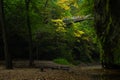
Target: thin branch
x=46, y=3
x=75, y=19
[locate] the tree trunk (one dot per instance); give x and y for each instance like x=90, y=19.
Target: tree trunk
x=8, y=60
x=31, y=61
x=46, y=3
x=107, y=21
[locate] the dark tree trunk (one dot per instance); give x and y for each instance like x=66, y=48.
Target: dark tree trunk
x=31, y=61
x=8, y=60
x=46, y=3
x=107, y=21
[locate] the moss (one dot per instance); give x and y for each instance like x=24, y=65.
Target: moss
x=109, y=24
x=107, y=6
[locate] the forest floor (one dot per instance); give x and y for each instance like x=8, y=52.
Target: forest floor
x=22, y=72
x=36, y=74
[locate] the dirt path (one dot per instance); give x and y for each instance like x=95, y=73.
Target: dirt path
x=36, y=74
x=22, y=72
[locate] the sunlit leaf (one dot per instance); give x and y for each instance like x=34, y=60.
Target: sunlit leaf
x=78, y=33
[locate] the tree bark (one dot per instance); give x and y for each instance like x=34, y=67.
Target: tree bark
x=31, y=61
x=46, y=3
x=107, y=21
x=8, y=60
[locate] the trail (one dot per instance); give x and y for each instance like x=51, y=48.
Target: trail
x=22, y=72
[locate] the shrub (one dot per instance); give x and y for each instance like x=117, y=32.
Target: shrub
x=61, y=61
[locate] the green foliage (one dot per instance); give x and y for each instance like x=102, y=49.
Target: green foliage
x=74, y=42
x=86, y=7
x=61, y=61
x=53, y=37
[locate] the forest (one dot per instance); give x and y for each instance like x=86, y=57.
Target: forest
x=48, y=30
x=67, y=32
